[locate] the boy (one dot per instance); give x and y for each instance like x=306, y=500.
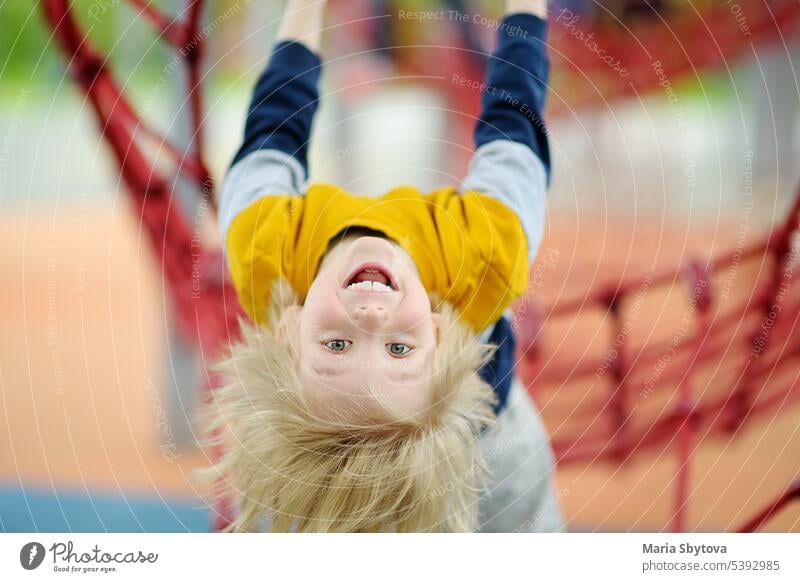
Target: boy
x=365, y=397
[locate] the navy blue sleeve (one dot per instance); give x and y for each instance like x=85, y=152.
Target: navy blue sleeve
x=516, y=85
x=499, y=371
x=284, y=102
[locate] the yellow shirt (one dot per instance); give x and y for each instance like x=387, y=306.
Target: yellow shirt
x=469, y=248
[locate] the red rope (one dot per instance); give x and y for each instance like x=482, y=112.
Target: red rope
x=792, y=493
x=698, y=284
x=203, y=299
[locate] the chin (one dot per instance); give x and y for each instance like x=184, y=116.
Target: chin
x=372, y=247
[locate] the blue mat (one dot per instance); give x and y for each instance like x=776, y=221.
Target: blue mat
x=63, y=511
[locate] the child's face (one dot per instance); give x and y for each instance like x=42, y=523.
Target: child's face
x=358, y=341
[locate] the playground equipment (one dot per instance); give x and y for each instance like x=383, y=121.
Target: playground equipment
x=758, y=341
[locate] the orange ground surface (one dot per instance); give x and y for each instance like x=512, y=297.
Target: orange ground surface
x=83, y=340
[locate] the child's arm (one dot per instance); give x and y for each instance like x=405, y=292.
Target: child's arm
x=273, y=156
x=512, y=157
x=303, y=22
x=535, y=7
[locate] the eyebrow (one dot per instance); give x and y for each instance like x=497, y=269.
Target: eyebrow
x=395, y=373
x=404, y=376
x=328, y=370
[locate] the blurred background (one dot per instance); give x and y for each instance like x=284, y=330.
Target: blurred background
x=674, y=135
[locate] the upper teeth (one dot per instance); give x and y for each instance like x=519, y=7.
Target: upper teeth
x=370, y=286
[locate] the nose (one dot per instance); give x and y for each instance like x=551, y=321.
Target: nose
x=369, y=315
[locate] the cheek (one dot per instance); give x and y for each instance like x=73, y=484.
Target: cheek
x=322, y=294
x=319, y=311
x=417, y=307
x=320, y=302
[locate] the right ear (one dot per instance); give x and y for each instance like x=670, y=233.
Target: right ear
x=288, y=323
x=436, y=318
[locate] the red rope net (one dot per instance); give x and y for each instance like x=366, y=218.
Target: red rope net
x=757, y=342
x=713, y=375
x=683, y=38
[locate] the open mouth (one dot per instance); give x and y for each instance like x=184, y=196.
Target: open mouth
x=371, y=277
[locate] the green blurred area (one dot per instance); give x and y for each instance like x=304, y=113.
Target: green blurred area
x=30, y=55
x=23, y=42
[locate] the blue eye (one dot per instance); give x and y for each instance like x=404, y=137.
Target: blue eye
x=398, y=349
x=338, y=345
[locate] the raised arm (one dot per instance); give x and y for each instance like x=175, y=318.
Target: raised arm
x=273, y=157
x=285, y=97
x=523, y=46
x=517, y=80
x=512, y=156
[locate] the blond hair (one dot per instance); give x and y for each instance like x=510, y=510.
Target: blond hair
x=290, y=470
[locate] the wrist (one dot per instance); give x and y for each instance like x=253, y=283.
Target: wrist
x=535, y=7
x=302, y=22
